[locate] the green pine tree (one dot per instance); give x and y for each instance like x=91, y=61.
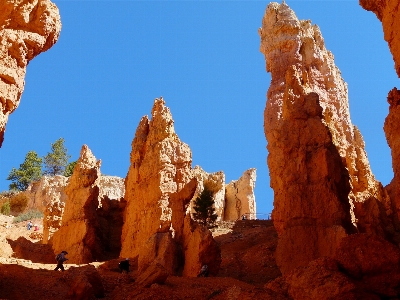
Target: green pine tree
x=69, y=169
x=204, y=208
x=56, y=160
x=30, y=170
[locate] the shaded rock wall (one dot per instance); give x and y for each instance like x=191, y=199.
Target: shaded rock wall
x=27, y=28
x=159, y=186
x=239, y=197
x=91, y=225
x=319, y=170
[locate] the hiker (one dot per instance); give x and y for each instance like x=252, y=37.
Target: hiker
x=36, y=227
x=30, y=225
x=203, y=271
x=124, y=265
x=60, y=258
x=244, y=217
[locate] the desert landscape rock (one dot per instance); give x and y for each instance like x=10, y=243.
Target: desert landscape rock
x=159, y=186
x=215, y=182
x=239, y=197
x=91, y=225
x=388, y=12
x=27, y=28
x=322, y=181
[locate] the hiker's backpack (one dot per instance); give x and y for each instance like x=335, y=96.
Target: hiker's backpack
x=58, y=257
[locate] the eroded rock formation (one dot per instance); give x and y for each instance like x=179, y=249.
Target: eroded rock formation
x=322, y=181
x=27, y=28
x=239, y=197
x=159, y=186
x=91, y=225
x=388, y=12
x=46, y=190
x=215, y=182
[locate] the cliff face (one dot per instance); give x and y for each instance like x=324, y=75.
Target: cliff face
x=27, y=28
x=159, y=186
x=239, y=198
x=388, y=12
x=323, y=185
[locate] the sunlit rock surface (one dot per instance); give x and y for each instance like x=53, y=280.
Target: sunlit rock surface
x=27, y=28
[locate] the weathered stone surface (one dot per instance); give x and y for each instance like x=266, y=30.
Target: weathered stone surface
x=388, y=12
x=239, y=197
x=27, y=28
x=112, y=187
x=91, y=225
x=52, y=219
x=321, y=279
x=215, y=182
x=200, y=249
x=77, y=233
x=163, y=249
x=155, y=273
x=159, y=186
x=46, y=190
x=85, y=283
x=373, y=261
x=318, y=167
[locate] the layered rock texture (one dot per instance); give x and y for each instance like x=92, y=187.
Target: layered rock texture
x=159, y=186
x=239, y=199
x=323, y=185
x=27, y=28
x=91, y=226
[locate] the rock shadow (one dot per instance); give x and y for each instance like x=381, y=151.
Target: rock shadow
x=35, y=252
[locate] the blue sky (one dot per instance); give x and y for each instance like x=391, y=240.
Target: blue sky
x=114, y=58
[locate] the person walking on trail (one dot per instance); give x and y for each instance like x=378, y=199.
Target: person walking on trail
x=30, y=225
x=60, y=260
x=203, y=271
x=124, y=265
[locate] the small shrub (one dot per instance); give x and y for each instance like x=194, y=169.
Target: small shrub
x=30, y=214
x=5, y=208
x=18, y=203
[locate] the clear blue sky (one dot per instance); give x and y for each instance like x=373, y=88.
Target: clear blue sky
x=114, y=58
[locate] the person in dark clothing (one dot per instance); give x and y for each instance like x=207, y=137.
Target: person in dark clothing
x=60, y=260
x=203, y=271
x=124, y=265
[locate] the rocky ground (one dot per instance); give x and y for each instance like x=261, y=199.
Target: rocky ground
x=26, y=269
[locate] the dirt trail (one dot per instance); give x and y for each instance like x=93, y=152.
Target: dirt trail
x=26, y=269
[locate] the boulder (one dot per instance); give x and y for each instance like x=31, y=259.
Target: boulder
x=154, y=273
x=85, y=283
x=27, y=28
x=319, y=170
x=199, y=249
x=239, y=197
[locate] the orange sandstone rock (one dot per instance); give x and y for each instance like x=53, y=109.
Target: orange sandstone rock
x=388, y=12
x=215, y=182
x=27, y=28
x=91, y=222
x=319, y=170
x=159, y=186
x=239, y=198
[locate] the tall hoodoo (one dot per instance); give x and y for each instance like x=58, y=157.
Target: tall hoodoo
x=158, y=188
x=318, y=167
x=27, y=28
